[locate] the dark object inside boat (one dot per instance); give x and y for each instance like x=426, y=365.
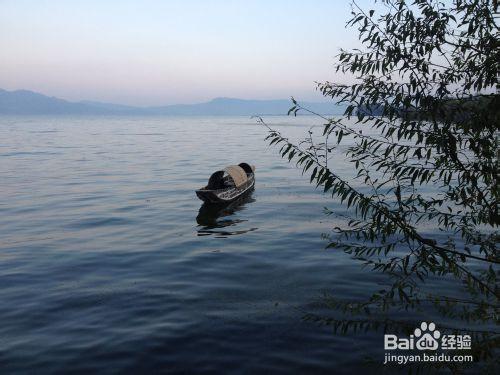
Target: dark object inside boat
x=228, y=184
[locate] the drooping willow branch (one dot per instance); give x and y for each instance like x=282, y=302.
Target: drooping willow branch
x=363, y=205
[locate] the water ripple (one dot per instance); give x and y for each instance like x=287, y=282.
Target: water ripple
x=109, y=262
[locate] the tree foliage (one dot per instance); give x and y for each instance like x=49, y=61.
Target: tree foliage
x=421, y=129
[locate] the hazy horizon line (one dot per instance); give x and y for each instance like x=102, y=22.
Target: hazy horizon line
x=165, y=104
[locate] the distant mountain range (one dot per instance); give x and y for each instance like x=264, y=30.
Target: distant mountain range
x=23, y=102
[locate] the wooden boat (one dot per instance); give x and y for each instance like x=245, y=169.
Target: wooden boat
x=229, y=184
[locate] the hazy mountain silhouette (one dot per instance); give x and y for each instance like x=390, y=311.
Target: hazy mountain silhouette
x=23, y=102
x=29, y=102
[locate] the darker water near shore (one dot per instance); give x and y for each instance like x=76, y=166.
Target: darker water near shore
x=107, y=263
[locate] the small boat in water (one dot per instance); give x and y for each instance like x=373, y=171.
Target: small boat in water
x=229, y=184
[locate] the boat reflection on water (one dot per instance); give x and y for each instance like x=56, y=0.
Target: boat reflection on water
x=215, y=219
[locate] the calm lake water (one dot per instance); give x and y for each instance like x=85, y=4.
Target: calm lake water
x=107, y=263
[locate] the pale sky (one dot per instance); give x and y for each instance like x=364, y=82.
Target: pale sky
x=152, y=52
